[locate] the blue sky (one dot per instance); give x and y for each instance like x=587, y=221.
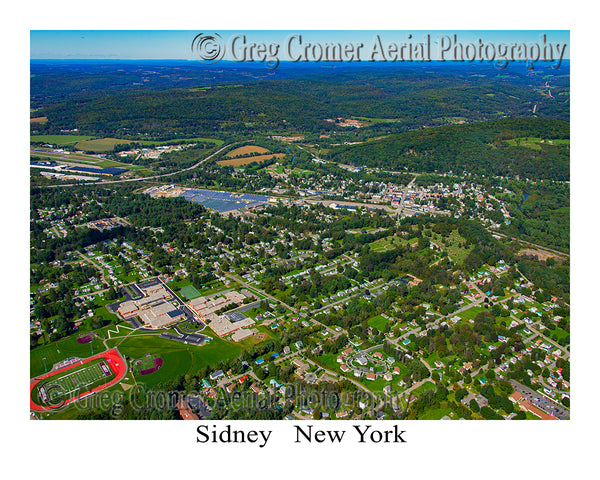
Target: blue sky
x=157, y=44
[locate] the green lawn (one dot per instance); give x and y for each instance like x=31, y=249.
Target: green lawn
x=389, y=243
x=178, y=358
x=471, y=313
x=378, y=322
x=423, y=388
x=557, y=334
x=329, y=361
x=435, y=413
x=42, y=358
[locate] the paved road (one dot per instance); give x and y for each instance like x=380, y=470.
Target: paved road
x=140, y=179
x=404, y=194
x=93, y=263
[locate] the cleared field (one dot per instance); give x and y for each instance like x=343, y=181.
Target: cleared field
x=238, y=162
x=370, y=120
x=59, y=139
x=38, y=120
x=245, y=150
x=535, y=142
x=101, y=144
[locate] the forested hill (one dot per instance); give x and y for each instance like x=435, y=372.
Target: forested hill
x=487, y=148
x=396, y=100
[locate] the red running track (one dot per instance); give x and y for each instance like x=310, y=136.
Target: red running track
x=113, y=360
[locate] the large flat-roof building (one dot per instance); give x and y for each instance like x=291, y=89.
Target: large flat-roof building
x=205, y=306
x=222, y=326
x=152, y=309
x=243, y=333
x=161, y=315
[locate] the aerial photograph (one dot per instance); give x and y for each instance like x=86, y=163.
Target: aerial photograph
x=299, y=225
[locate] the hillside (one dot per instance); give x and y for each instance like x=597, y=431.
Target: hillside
x=397, y=100
x=479, y=148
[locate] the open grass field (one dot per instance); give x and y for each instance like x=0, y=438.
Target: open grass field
x=423, y=388
x=100, y=145
x=178, y=358
x=384, y=244
x=557, y=334
x=378, y=322
x=238, y=162
x=59, y=139
x=435, y=414
x=471, y=313
x=68, y=347
x=245, y=150
x=38, y=120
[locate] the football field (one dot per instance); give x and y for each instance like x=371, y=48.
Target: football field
x=72, y=382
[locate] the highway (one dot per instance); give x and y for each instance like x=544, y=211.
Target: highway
x=141, y=179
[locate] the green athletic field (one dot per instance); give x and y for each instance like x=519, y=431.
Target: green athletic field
x=189, y=292
x=178, y=358
x=71, y=382
x=43, y=357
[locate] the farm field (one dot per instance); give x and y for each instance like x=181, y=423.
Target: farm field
x=38, y=120
x=59, y=139
x=369, y=120
x=245, y=150
x=238, y=162
x=100, y=145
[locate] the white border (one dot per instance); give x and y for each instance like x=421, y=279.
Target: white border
x=160, y=449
